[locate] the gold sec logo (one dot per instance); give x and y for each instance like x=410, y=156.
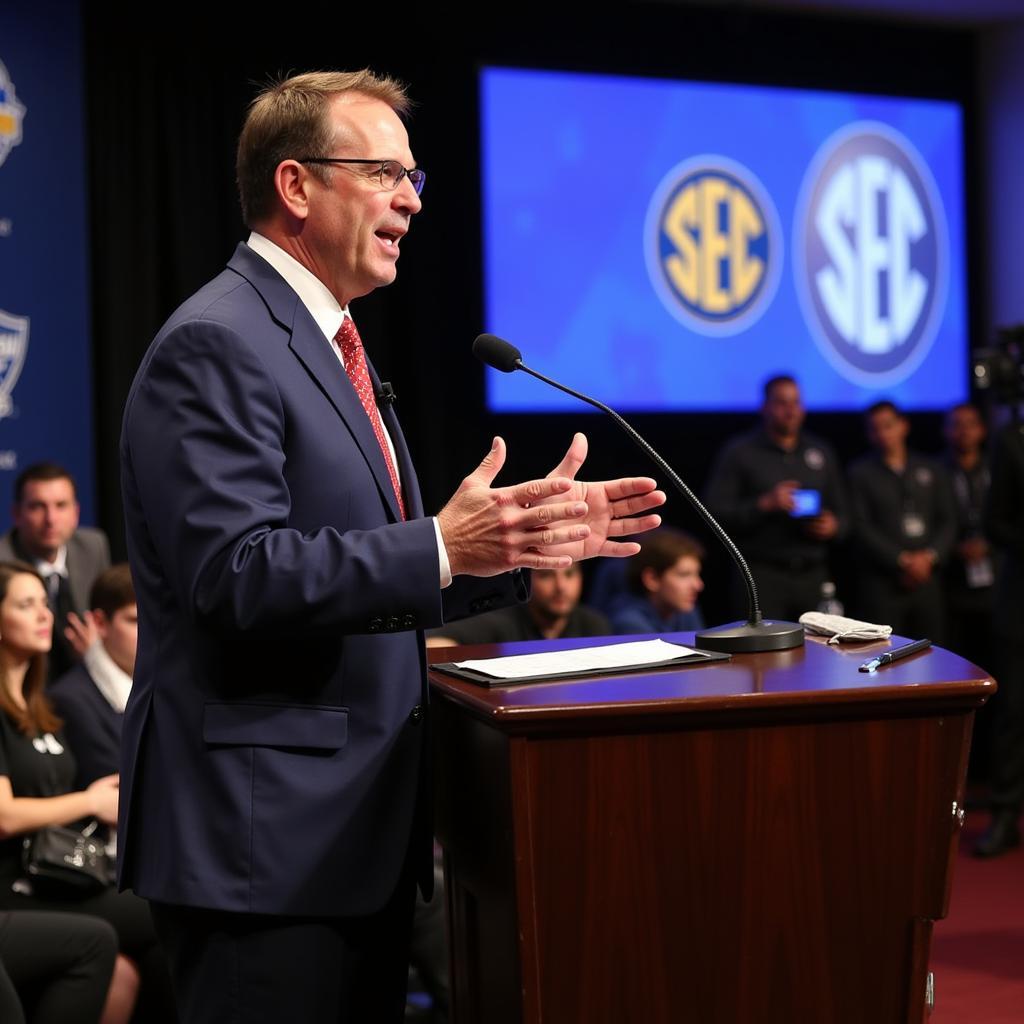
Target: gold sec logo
x=11, y=115
x=713, y=245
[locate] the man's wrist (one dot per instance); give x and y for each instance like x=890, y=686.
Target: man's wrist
x=443, y=564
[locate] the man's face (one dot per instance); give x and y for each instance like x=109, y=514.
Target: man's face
x=556, y=592
x=120, y=635
x=887, y=431
x=678, y=587
x=354, y=225
x=965, y=429
x=783, y=411
x=46, y=516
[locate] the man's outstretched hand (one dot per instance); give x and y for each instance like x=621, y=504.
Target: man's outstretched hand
x=543, y=524
x=614, y=507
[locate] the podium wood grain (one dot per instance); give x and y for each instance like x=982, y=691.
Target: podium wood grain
x=768, y=839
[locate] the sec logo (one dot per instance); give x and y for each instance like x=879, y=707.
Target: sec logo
x=713, y=245
x=11, y=115
x=13, y=348
x=871, y=254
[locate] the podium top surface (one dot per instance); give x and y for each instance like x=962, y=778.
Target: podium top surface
x=803, y=681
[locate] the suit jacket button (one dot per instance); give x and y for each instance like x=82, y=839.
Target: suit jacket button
x=409, y=621
x=392, y=623
x=416, y=714
x=375, y=625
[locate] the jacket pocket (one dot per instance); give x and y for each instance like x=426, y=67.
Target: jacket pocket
x=275, y=725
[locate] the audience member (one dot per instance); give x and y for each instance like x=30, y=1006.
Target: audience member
x=36, y=774
x=1005, y=523
x=91, y=697
x=664, y=582
x=970, y=571
x=69, y=557
x=905, y=523
x=553, y=611
x=778, y=490
x=61, y=963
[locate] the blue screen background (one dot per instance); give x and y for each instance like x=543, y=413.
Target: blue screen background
x=570, y=163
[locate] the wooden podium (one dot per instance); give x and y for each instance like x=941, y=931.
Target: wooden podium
x=758, y=841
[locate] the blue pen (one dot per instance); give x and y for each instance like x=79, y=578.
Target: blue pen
x=890, y=656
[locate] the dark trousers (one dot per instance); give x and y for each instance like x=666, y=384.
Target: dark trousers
x=56, y=966
x=784, y=593
x=914, y=613
x=233, y=968
x=136, y=939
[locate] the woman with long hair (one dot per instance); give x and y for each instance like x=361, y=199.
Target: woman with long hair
x=36, y=775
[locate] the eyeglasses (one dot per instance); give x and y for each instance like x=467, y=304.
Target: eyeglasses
x=391, y=171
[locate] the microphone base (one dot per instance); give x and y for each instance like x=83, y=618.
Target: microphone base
x=748, y=637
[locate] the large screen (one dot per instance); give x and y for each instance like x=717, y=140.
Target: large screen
x=668, y=245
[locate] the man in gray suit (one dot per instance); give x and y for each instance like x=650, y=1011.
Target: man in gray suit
x=69, y=557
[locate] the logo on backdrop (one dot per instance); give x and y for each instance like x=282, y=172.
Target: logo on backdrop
x=13, y=346
x=713, y=245
x=871, y=254
x=11, y=114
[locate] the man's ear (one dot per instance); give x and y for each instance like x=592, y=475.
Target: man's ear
x=291, y=182
x=99, y=617
x=650, y=580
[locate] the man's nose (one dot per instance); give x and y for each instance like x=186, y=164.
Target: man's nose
x=406, y=198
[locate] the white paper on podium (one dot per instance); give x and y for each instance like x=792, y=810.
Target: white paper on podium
x=583, y=659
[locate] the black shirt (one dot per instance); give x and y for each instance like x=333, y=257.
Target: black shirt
x=896, y=512
x=970, y=493
x=511, y=624
x=38, y=766
x=751, y=465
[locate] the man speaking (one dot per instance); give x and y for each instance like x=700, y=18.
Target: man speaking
x=272, y=804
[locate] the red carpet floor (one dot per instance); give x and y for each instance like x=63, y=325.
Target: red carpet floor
x=978, y=950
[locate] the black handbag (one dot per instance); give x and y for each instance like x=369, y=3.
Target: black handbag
x=63, y=862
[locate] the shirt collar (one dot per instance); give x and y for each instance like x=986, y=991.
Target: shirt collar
x=58, y=567
x=112, y=681
x=316, y=297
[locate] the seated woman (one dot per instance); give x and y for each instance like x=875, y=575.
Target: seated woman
x=36, y=773
x=663, y=583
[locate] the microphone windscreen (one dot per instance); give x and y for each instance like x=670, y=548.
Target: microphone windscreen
x=496, y=352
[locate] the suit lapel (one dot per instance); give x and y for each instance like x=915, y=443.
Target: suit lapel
x=314, y=352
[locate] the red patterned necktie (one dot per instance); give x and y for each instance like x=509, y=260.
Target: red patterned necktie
x=348, y=340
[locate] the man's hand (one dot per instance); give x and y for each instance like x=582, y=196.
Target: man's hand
x=81, y=633
x=822, y=527
x=916, y=568
x=488, y=530
x=613, y=507
x=779, y=498
x=973, y=549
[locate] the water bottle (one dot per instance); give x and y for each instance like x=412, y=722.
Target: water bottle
x=829, y=603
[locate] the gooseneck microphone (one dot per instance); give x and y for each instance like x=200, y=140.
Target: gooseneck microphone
x=756, y=634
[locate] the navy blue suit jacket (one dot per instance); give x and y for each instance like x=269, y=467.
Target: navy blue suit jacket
x=92, y=727
x=273, y=741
